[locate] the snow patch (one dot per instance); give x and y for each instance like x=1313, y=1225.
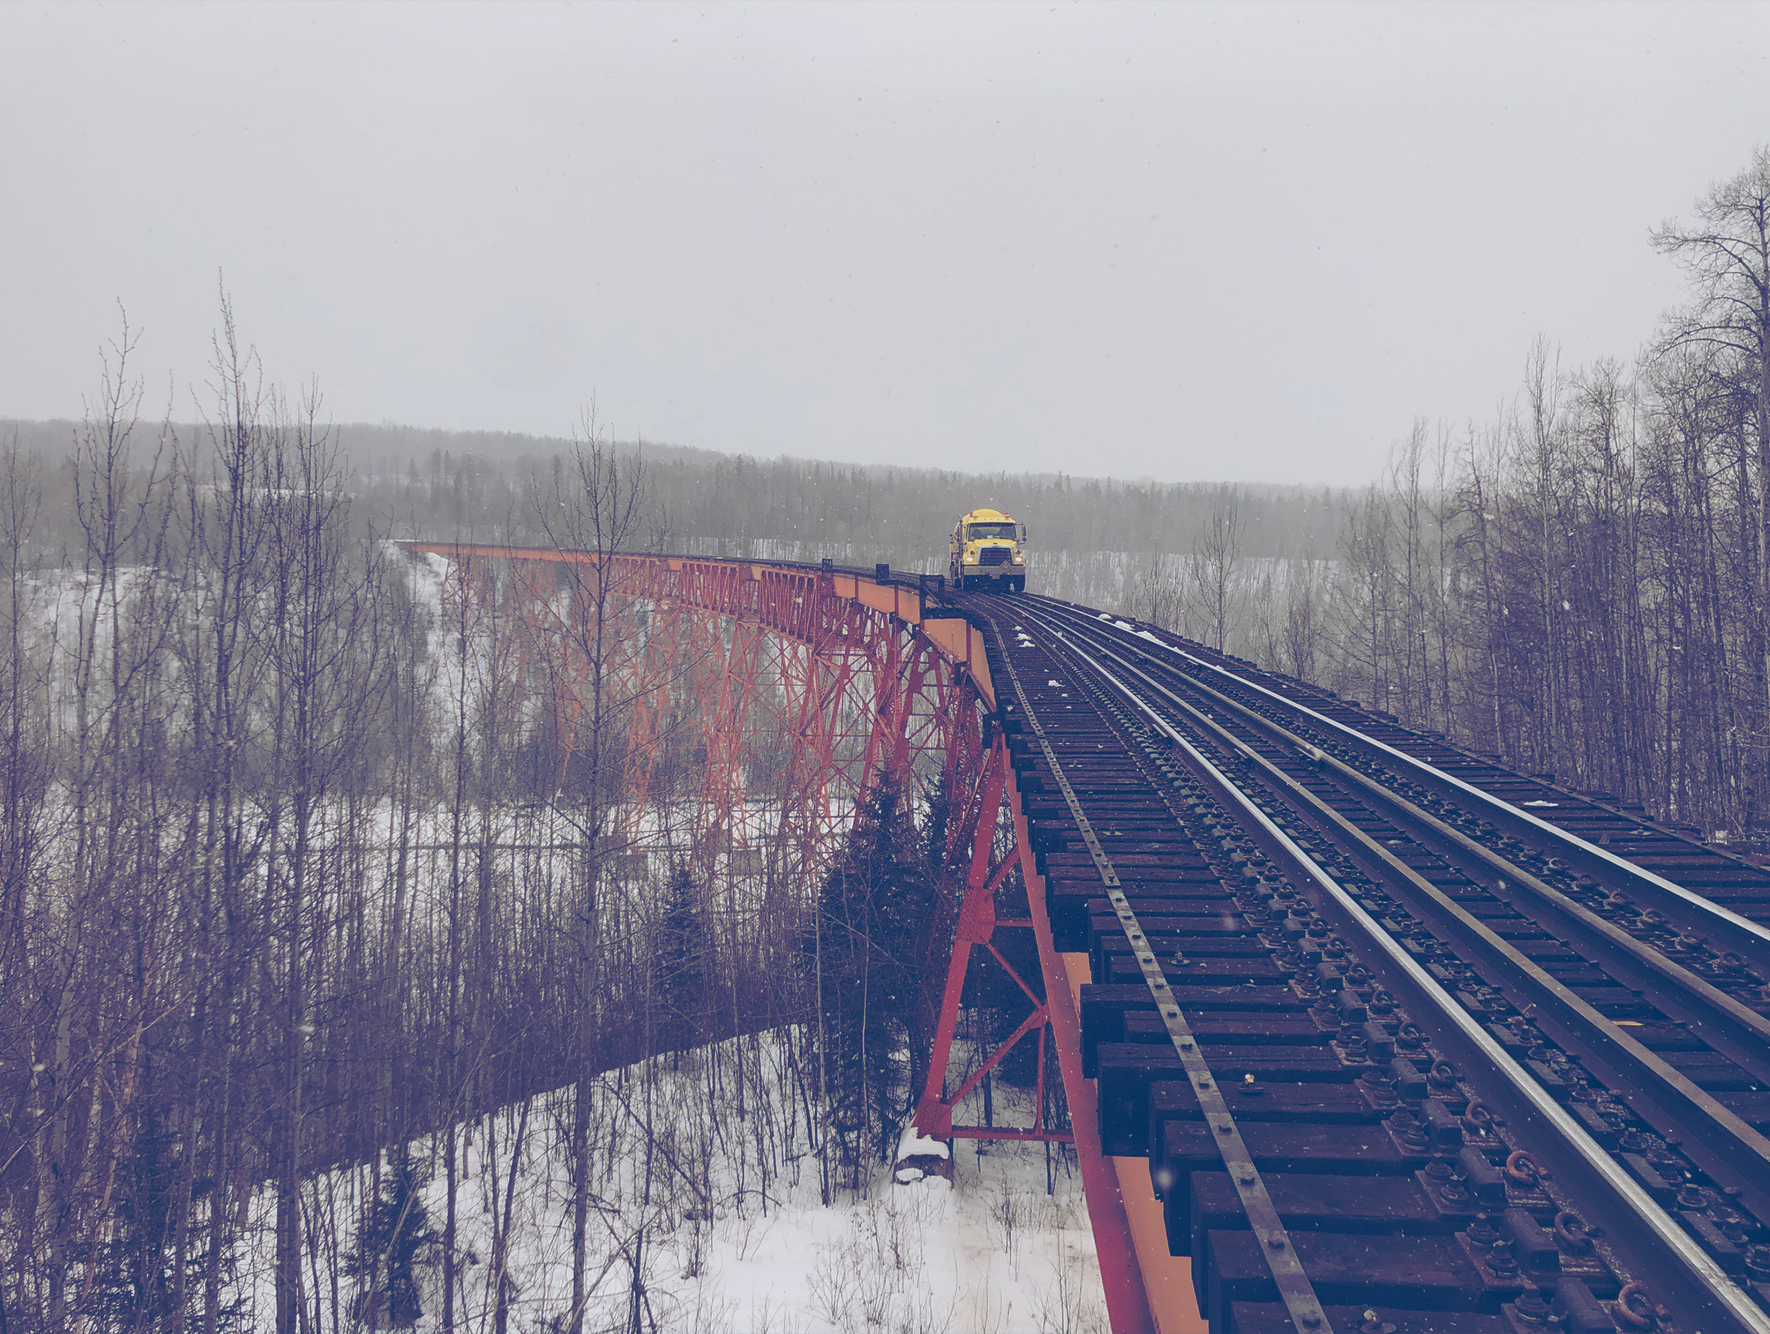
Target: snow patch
x=734, y=1237
x=913, y=1145
x=912, y=1176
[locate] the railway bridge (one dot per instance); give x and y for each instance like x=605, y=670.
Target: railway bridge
x=1359, y=1031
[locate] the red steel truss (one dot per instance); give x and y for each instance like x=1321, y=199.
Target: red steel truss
x=766, y=698
x=975, y=838
x=797, y=693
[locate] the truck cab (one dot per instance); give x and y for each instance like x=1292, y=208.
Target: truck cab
x=987, y=552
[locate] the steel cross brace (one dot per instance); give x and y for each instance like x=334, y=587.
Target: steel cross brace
x=976, y=927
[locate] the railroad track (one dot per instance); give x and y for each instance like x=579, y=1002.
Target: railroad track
x=1410, y=1041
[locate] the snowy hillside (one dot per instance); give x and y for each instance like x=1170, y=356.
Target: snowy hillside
x=709, y=1217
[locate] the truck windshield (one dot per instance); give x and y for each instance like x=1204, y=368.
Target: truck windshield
x=982, y=530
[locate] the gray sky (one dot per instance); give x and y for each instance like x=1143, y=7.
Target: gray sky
x=1182, y=241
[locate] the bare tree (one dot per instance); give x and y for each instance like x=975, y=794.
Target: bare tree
x=225, y=530
x=1302, y=629
x=1726, y=255
x=1365, y=603
x=1215, y=576
x=1160, y=596
x=322, y=650
x=593, y=505
x=108, y=906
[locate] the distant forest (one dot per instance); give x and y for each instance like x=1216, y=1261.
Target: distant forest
x=434, y=483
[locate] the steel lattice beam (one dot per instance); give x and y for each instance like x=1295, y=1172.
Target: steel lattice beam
x=855, y=676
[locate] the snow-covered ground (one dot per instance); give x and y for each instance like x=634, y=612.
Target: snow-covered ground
x=707, y=1215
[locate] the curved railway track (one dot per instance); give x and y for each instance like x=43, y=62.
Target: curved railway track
x=1410, y=1041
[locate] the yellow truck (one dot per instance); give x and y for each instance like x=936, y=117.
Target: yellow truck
x=986, y=552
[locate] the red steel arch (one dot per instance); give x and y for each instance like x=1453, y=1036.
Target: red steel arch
x=833, y=676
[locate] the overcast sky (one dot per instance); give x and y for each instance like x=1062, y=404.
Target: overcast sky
x=1180, y=241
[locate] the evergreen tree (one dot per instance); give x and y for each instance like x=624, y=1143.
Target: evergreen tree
x=679, y=957
x=137, y=1278
x=393, y=1228
x=136, y=1284
x=867, y=951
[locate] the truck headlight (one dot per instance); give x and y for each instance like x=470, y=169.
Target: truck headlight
x=1019, y=559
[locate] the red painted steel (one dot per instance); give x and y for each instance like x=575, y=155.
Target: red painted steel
x=733, y=653
x=1121, y=1273
x=976, y=927
x=799, y=687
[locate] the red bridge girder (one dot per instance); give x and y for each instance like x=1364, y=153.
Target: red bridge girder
x=857, y=675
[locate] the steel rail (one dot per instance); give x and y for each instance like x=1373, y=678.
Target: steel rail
x=1734, y=1151
x=1741, y=933
x=1280, y=1255
x=1734, y=1030
x=1742, y=1034
x=1705, y=1276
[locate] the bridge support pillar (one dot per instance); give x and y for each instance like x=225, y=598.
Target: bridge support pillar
x=975, y=839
